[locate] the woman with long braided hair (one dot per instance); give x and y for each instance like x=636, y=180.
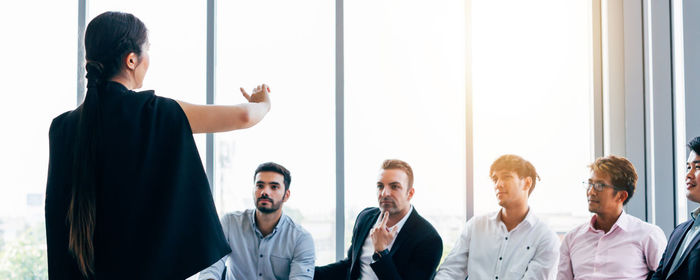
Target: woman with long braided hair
x=127, y=196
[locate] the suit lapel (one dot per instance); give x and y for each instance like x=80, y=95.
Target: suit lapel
x=676, y=244
x=691, y=246
x=406, y=231
x=362, y=233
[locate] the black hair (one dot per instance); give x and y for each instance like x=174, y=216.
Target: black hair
x=109, y=38
x=694, y=145
x=518, y=165
x=274, y=167
x=621, y=171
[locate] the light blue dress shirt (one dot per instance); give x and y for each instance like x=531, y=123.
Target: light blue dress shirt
x=286, y=253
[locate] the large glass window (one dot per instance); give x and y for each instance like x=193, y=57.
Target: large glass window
x=177, y=36
x=405, y=69
x=405, y=99
x=290, y=46
x=40, y=58
x=533, y=97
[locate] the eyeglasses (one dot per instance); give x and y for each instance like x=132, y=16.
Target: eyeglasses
x=598, y=187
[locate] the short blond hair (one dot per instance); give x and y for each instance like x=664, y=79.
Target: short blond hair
x=401, y=165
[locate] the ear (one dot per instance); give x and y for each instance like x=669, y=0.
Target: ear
x=131, y=61
x=528, y=184
x=623, y=196
x=287, y=193
x=410, y=193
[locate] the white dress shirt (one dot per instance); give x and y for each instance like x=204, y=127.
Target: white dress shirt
x=366, y=272
x=487, y=250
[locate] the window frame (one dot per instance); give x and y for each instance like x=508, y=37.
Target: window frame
x=646, y=105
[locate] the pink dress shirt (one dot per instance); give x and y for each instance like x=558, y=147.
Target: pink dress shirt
x=630, y=250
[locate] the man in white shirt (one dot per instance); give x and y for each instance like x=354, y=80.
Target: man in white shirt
x=511, y=243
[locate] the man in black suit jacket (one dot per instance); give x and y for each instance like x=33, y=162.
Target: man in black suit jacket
x=681, y=260
x=392, y=241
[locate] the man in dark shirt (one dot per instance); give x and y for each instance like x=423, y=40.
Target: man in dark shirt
x=392, y=241
x=681, y=260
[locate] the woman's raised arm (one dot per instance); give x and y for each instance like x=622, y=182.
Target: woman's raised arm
x=221, y=118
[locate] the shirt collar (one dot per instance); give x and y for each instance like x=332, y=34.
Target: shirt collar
x=695, y=213
x=114, y=87
x=495, y=217
x=530, y=218
x=623, y=222
x=251, y=217
x=400, y=223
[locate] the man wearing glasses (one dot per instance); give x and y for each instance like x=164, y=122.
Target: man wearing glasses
x=613, y=245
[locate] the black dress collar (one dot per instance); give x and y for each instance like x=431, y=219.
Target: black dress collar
x=112, y=87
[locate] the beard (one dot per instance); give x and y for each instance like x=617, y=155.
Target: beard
x=269, y=209
x=388, y=205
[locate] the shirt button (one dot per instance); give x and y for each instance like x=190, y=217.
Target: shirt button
x=528, y=247
x=500, y=258
x=506, y=238
x=496, y=277
x=261, y=255
x=260, y=274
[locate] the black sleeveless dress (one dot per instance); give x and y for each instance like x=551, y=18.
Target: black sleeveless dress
x=155, y=213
